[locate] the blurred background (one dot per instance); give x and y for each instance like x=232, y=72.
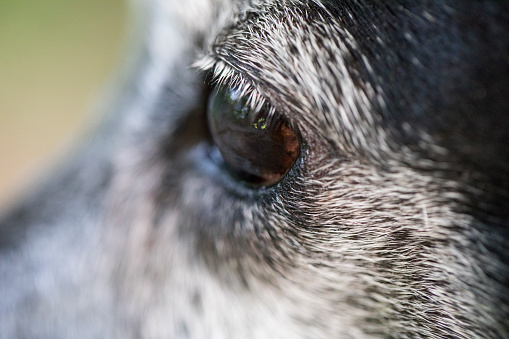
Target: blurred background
x=55, y=56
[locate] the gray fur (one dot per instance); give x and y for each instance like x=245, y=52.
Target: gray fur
x=392, y=223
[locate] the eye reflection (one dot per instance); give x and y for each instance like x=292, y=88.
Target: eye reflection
x=256, y=149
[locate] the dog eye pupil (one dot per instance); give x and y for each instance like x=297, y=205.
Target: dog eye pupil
x=257, y=150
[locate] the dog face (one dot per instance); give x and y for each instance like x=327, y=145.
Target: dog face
x=369, y=201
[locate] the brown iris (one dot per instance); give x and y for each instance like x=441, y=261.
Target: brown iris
x=257, y=150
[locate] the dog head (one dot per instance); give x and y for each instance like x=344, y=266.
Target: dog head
x=383, y=214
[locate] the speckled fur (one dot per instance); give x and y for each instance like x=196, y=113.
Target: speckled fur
x=392, y=223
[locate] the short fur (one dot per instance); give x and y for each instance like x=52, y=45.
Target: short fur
x=392, y=223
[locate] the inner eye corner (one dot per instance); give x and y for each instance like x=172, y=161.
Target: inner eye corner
x=257, y=147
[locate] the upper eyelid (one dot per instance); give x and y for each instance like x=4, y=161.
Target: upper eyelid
x=224, y=74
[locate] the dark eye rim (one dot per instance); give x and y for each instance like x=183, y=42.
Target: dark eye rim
x=262, y=194
x=282, y=118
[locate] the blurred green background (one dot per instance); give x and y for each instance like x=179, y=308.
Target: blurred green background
x=55, y=56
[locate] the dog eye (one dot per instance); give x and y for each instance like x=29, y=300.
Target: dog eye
x=255, y=149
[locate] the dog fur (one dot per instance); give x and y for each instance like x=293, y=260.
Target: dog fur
x=393, y=222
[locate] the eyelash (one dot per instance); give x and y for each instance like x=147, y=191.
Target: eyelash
x=222, y=75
